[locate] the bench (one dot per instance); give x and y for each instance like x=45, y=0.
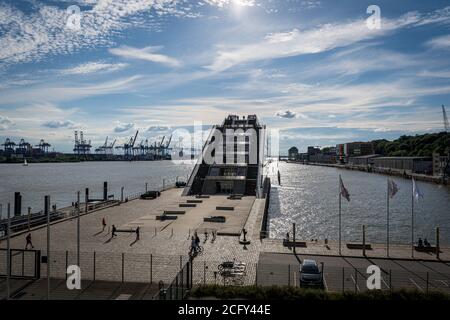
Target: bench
x=126, y=230
x=149, y=195
x=225, y=208
x=297, y=244
x=220, y=219
x=174, y=212
x=194, y=201
x=166, y=217
x=187, y=205
x=425, y=249
x=359, y=246
x=235, y=197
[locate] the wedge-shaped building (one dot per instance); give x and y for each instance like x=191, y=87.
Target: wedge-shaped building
x=232, y=159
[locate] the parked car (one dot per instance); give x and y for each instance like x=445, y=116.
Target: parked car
x=310, y=275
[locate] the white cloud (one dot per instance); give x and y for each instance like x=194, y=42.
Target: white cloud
x=288, y=114
x=5, y=122
x=59, y=124
x=442, y=42
x=123, y=127
x=91, y=67
x=147, y=54
x=30, y=37
x=300, y=42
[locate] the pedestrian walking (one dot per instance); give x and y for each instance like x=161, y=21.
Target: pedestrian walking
x=113, y=231
x=28, y=239
x=138, y=230
x=103, y=224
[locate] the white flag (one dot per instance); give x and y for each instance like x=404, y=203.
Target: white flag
x=343, y=190
x=392, y=188
x=416, y=191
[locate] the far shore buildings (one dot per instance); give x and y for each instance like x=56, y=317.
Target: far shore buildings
x=361, y=155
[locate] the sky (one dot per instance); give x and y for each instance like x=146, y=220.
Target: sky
x=315, y=70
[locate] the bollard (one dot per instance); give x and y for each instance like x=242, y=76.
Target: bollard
x=437, y=242
x=17, y=204
x=105, y=191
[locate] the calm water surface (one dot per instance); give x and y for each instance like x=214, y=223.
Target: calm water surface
x=62, y=180
x=308, y=195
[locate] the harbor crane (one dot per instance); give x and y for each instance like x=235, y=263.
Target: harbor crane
x=128, y=147
x=82, y=146
x=446, y=124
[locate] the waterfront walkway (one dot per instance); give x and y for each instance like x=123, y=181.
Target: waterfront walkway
x=124, y=261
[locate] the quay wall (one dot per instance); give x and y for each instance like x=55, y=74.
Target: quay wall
x=390, y=172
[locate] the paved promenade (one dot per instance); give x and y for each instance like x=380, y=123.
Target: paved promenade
x=163, y=246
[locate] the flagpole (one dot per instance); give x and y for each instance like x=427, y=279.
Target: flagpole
x=387, y=219
x=412, y=219
x=340, y=192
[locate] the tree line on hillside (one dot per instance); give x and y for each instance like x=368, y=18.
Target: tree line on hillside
x=423, y=145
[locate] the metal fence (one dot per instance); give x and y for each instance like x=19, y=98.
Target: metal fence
x=25, y=264
x=344, y=279
x=105, y=266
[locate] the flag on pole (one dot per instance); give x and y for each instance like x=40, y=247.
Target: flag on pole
x=343, y=190
x=392, y=188
x=416, y=191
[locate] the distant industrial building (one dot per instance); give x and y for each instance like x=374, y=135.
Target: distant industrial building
x=441, y=165
x=423, y=165
x=293, y=154
x=363, y=161
x=353, y=149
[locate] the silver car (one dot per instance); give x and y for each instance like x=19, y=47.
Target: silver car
x=310, y=275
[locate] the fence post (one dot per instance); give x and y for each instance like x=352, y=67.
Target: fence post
x=123, y=266
x=356, y=281
x=204, y=272
x=151, y=268
x=437, y=243
x=23, y=263
x=289, y=275
x=121, y=194
x=343, y=279
x=364, y=239
x=428, y=278
x=256, y=277
x=94, y=265
x=390, y=280
x=67, y=262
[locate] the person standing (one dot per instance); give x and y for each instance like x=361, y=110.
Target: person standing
x=28, y=239
x=103, y=224
x=138, y=230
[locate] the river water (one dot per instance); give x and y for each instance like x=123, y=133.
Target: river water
x=62, y=180
x=309, y=196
